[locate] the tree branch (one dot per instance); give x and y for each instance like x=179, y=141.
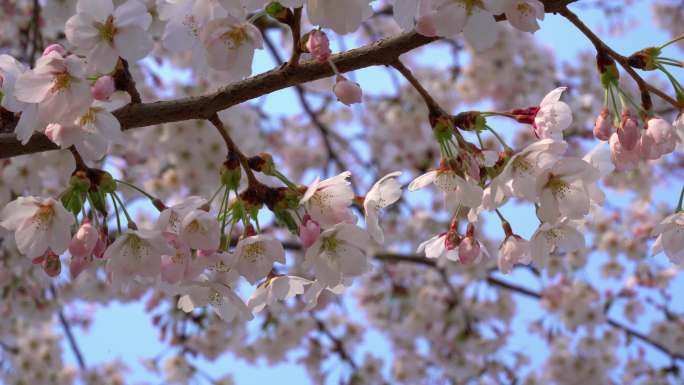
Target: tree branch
x=382, y=52
x=602, y=47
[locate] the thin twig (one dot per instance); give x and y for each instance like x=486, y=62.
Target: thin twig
x=232, y=147
x=602, y=47
x=433, y=106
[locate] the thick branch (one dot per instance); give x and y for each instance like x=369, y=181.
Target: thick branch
x=382, y=52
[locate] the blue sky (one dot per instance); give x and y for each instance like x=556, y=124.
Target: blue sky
x=125, y=331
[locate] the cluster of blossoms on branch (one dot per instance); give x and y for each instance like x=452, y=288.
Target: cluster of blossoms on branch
x=231, y=216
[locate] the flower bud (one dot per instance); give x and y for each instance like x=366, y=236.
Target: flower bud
x=77, y=265
x=84, y=241
x=603, y=128
x=54, y=48
x=468, y=250
x=103, y=88
x=347, y=91
x=623, y=159
x=309, y=231
x=628, y=133
x=645, y=59
x=425, y=25
x=318, y=45
x=662, y=133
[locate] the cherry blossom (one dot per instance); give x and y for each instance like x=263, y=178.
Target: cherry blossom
x=91, y=134
x=550, y=238
x=520, y=174
x=523, y=14
x=670, y=238
x=384, y=192
x=58, y=86
x=553, y=116
x=255, y=256
x=230, y=45
x=39, y=225
x=136, y=254
x=10, y=71
x=341, y=17
x=513, y=250
x=328, y=202
x=105, y=33
x=562, y=191
x=278, y=288
x=448, y=18
x=223, y=300
x=456, y=188
x=200, y=230
x=339, y=252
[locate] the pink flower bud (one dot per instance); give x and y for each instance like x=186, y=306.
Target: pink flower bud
x=84, y=241
x=628, y=133
x=309, y=231
x=468, y=250
x=319, y=45
x=623, y=159
x=425, y=25
x=347, y=92
x=77, y=265
x=664, y=136
x=603, y=127
x=103, y=88
x=54, y=48
x=648, y=147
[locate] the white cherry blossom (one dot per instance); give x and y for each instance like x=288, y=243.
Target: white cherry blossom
x=58, y=86
x=523, y=14
x=513, y=250
x=136, y=254
x=340, y=252
x=550, y=238
x=105, y=33
x=255, y=256
x=553, y=116
x=519, y=176
x=277, y=288
x=670, y=238
x=447, y=18
x=457, y=188
x=562, y=192
x=39, y=225
x=341, y=16
x=328, y=202
x=384, y=192
x=230, y=45
x=200, y=230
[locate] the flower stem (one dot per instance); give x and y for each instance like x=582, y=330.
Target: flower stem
x=131, y=223
x=116, y=211
x=681, y=201
x=136, y=188
x=676, y=39
x=499, y=138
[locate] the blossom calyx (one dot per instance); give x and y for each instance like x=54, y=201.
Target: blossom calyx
x=470, y=121
x=645, y=59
